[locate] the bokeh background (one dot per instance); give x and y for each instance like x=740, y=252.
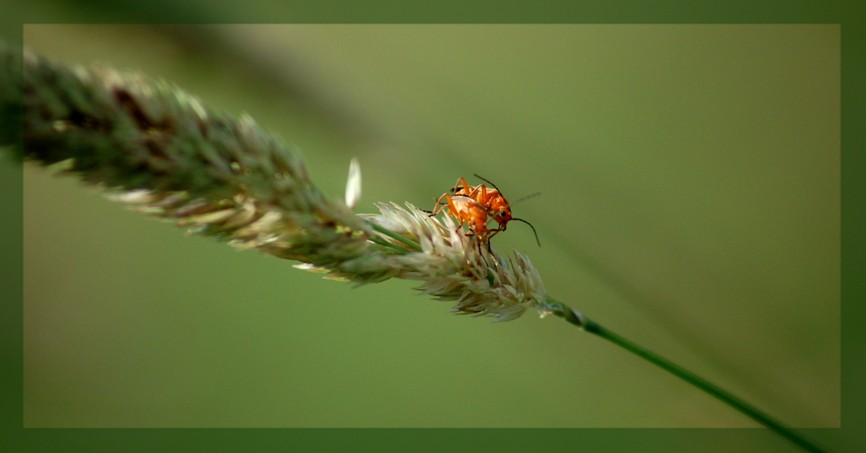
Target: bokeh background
x=690, y=202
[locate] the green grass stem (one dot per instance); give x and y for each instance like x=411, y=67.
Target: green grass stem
x=726, y=397
x=404, y=240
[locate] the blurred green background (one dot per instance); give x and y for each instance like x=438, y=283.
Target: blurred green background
x=690, y=202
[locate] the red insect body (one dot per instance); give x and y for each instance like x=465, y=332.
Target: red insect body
x=475, y=205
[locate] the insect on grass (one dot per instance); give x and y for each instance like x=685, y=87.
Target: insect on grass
x=475, y=206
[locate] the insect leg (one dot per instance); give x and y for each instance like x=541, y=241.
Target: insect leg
x=439, y=206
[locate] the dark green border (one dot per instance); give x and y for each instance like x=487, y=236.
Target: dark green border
x=850, y=14
x=11, y=288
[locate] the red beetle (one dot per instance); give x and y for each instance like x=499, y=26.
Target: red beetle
x=474, y=206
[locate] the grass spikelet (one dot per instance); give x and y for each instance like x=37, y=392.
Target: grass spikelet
x=165, y=153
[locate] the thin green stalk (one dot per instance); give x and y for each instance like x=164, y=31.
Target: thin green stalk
x=388, y=245
x=578, y=319
x=410, y=243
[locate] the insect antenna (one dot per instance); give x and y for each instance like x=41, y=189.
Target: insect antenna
x=488, y=182
x=530, y=226
x=526, y=197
